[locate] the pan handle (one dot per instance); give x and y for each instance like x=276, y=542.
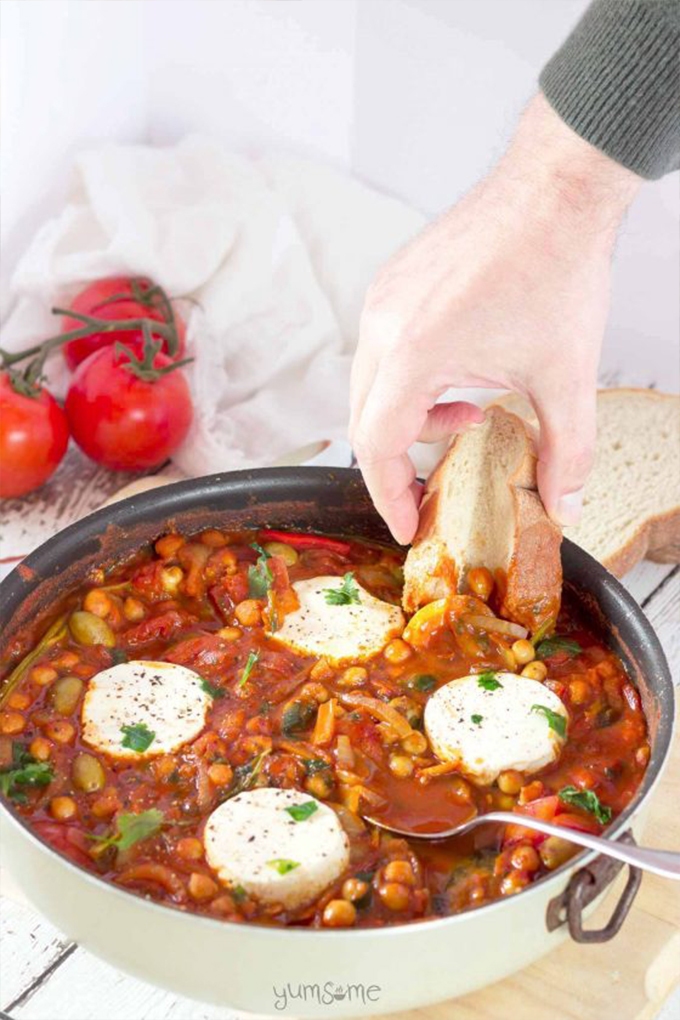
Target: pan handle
x=584, y=886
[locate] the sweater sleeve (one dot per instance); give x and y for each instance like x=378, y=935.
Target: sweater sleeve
x=616, y=82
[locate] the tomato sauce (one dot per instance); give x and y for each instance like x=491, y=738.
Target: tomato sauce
x=197, y=601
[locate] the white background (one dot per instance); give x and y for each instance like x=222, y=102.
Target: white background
x=415, y=96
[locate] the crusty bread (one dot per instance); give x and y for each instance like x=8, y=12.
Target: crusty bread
x=481, y=508
x=632, y=498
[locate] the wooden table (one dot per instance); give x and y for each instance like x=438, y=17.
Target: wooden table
x=44, y=976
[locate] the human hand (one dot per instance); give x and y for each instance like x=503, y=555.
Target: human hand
x=509, y=289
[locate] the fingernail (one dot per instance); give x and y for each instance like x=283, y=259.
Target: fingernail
x=569, y=508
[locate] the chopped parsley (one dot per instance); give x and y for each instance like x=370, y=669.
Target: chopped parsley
x=137, y=737
x=253, y=658
x=301, y=812
x=239, y=893
x=214, y=692
x=489, y=681
x=260, y=577
x=283, y=866
x=553, y=645
x=422, y=682
x=245, y=775
x=476, y=719
x=588, y=800
x=25, y=771
x=118, y=655
x=346, y=594
x=556, y=722
x=297, y=717
x=132, y=828
x=314, y=765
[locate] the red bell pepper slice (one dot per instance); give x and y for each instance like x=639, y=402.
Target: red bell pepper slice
x=301, y=540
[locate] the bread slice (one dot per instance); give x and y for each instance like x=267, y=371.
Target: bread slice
x=481, y=509
x=632, y=497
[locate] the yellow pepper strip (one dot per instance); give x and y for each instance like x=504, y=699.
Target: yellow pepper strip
x=422, y=624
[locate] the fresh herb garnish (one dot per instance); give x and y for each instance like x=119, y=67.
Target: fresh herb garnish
x=137, y=737
x=259, y=574
x=132, y=828
x=556, y=722
x=24, y=771
x=314, y=765
x=476, y=719
x=214, y=692
x=253, y=658
x=283, y=866
x=245, y=775
x=422, y=682
x=588, y=800
x=118, y=655
x=239, y=893
x=345, y=595
x=489, y=681
x=301, y=812
x=296, y=717
x=553, y=645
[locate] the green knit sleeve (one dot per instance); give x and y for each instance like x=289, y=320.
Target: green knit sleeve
x=616, y=82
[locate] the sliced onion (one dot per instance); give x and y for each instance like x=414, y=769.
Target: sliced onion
x=344, y=752
x=493, y=625
x=380, y=710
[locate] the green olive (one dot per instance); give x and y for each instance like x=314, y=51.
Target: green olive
x=88, y=773
x=286, y=552
x=65, y=694
x=89, y=629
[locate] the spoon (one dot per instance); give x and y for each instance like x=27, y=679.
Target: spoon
x=661, y=862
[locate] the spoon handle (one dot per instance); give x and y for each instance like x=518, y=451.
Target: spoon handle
x=661, y=862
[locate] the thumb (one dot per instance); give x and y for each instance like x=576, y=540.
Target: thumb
x=566, y=448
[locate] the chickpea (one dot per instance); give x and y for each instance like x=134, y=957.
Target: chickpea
x=88, y=773
x=554, y=851
x=397, y=651
x=18, y=700
x=12, y=722
x=510, y=781
x=43, y=675
x=532, y=791
x=339, y=914
x=354, y=676
x=459, y=790
x=525, y=858
x=354, y=889
x=133, y=610
x=164, y=766
x=213, y=538
x=97, y=602
x=480, y=582
x=642, y=755
x=315, y=692
x=523, y=651
x=399, y=871
x=320, y=785
x=221, y=774
x=61, y=731
x=535, y=670
x=229, y=633
x=88, y=629
x=40, y=748
x=248, y=613
x=401, y=766
x=171, y=578
x=321, y=670
x=415, y=743
x=106, y=804
x=286, y=552
x=504, y=802
x=63, y=808
x=513, y=883
x=168, y=546
x=395, y=896
x=65, y=694
x=201, y=887
x=579, y=691
x=189, y=848
x=67, y=660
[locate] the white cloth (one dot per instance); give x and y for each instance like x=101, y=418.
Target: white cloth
x=277, y=252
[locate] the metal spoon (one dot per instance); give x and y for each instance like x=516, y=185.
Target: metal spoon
x=661, y=862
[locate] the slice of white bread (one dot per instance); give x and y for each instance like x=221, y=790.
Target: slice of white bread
x=480, y=508
x=631, y=506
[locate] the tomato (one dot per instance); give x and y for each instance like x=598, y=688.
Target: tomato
x=33, y=438
x=96, y=300
x=125, y=422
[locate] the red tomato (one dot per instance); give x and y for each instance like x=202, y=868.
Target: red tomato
x=94, y=300
x=124, y=422
x=33, y=438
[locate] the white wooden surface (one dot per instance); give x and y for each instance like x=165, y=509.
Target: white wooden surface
x=45, y=976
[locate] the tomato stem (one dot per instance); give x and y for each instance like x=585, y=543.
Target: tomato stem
x=143, y=367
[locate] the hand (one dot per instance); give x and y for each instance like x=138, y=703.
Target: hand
x=508, y=289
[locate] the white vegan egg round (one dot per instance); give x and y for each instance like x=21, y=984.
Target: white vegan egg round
x=140, y=709
x=491, y=722
x=340, y=631
x=281, y=846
